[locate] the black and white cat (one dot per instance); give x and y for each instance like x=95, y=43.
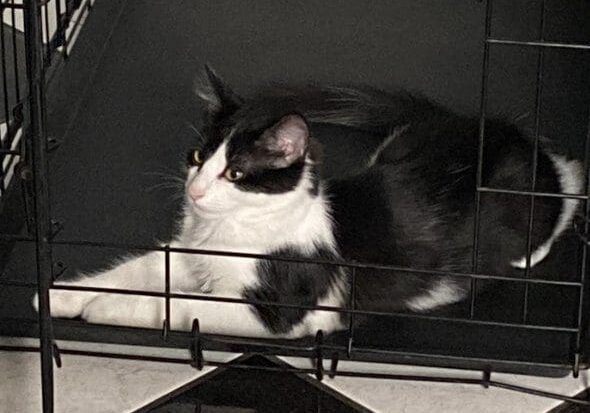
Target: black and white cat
x=255, y=186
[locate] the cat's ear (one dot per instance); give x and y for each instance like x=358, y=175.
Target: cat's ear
x=286, y=142
x=218, y=97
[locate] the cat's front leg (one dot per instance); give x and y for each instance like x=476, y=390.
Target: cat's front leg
x=149, y=312
x=145, y=272
x=215, y=317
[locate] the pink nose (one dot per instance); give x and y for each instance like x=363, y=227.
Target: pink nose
x=196, y=192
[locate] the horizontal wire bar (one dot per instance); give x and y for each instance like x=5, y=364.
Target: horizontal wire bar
x=310, y=307
x=250, y=342
x=336, y=263
x=296, y=370
x=531, y=193
x=539, y=44
x=4, y=5
x=16, y=238
x=14, y=283
x=482, y=360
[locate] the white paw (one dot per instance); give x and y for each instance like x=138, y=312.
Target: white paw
x=65, y=304
x=146, y=312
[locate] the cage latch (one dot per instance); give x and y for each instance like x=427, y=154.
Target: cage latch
x=56, y=353
x=349, y=348
x=196, y=346
x=487, y=376
x=333, y=365
x=165, y=329
x=576, y=365
x=56, y=227
x=52, y=144
x=319, y=362
x=24, y=171
x=58, y=269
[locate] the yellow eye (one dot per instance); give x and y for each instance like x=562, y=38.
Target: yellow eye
x=233, y=174
x=196, y=159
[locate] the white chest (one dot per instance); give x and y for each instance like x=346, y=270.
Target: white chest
x=303, y=227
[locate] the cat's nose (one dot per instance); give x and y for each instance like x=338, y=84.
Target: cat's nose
x=196, y=192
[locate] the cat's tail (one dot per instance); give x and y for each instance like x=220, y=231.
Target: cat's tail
x=364, y=108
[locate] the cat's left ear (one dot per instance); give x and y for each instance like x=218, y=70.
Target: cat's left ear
x=286, y=142
x=218, y=97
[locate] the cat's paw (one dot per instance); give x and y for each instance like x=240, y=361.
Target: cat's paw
x=65, y=304
x=112, y=309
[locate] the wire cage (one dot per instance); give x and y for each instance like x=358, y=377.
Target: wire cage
x=25, y=109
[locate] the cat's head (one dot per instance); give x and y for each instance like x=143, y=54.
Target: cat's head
x=250, y=158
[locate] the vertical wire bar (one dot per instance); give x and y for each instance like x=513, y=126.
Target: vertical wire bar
x=352, y=306
x=2, y=174
x=167, y=289
x=4, y=80
x=4, y=140
x=482, y=121
x=584, y=265
x=36, y=133
x=58, y=22
x=45, y=9
x=538, y=97
x=15, y=53
x=66, y=23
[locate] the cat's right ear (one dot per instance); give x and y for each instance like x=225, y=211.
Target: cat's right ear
x=218, y=97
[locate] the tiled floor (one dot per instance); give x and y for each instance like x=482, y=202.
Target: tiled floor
x=90, y=384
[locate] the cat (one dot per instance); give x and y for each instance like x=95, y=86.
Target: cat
x=256, y=186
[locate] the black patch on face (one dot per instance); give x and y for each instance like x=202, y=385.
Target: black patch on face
x=259, y=176
x=250, y=152
x=292, y=283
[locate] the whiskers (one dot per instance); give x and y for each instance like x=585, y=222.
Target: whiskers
x=200, y=137
x=169, y=182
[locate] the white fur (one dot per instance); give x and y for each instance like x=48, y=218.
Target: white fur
x=396, y=132
x=570, y=181
x=443, y=292
x=224, y=218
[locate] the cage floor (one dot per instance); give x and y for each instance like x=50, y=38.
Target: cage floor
x=130, y=127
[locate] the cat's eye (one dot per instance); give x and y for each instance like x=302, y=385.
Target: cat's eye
x=195, y=158
x=233, y=174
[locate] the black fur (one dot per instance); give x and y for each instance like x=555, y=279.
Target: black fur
x=296, y=283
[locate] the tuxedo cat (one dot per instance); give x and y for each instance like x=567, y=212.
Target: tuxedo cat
x=255, y=186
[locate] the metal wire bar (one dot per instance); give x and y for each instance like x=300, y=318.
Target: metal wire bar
x=539, y=44
x=337, y=263
x=167, y=290
x=538, y=101
x=15, y=283
x=248, y=344
x=310, y=307
x=15, y=54
x=352, y=306
x=15, y=237
x=581, y=319
x=47, y=45
x=4, y=79
x=482, y=122
x=11, y=5
x=485, y=381
x=59, y=23
x=531, y=193
x=37, y=135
